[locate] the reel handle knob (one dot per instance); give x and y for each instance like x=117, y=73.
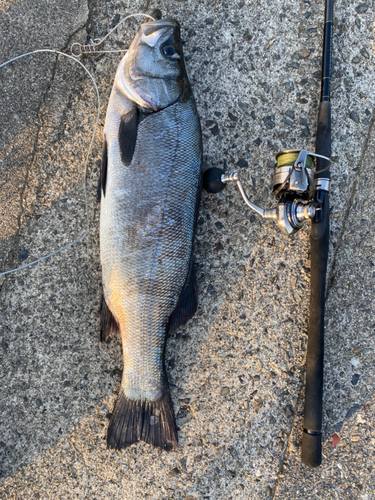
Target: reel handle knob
x=212, y=180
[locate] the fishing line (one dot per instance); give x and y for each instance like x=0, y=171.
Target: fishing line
x=91, y=47
x=74, y=58
x=53, y=51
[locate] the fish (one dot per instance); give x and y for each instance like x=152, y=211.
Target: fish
x=150, y=188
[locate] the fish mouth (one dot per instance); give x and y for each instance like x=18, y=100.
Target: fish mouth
x=152, y=31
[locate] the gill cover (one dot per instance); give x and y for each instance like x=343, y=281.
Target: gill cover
x=152, y=74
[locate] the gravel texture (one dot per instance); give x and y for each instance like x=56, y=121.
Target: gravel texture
x=237, y=368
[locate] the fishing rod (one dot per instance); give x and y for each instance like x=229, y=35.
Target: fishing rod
x=311, y=451
x=302, y=194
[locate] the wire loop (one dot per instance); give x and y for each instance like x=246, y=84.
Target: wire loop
x=77, y=49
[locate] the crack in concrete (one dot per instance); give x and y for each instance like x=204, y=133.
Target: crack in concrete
x=282, y=459
x=70, y=39
x=33, y=154
x=348, y=209
x=21, y=217
x=12, y=253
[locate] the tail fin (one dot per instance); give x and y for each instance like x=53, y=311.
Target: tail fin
x=143, y=420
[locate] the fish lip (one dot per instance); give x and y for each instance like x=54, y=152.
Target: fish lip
x=160, y=23
x=152, y=27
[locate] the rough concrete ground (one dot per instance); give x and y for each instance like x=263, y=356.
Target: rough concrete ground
x=237, y=368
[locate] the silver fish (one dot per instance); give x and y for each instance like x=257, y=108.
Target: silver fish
x=150, y=189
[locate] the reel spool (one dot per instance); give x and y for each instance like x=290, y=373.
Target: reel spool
x=294, y=187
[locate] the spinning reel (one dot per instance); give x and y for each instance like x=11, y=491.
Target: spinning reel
x=297, y=191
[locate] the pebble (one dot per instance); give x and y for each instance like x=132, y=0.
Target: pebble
x=289, y=86
x=242, y=163
x=306, y=131
x=174, y=472
x=232, y=116
x=224, y=391
x=244, y=106
x=362, y=7
x=22, y=255
x=257, y=402
x=355, y=379
x=352, y=410
x=353, y=115
x=214, y=130
x=269, y=121
x=287, y=121
x=355, y=362
x=290, y=113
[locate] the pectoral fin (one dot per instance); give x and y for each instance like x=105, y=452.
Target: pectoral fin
x=127, y=136
x=103, y=172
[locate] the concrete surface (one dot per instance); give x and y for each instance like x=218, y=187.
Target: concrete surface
x=237, y=368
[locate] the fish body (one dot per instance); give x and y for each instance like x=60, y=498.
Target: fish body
x=150, y=190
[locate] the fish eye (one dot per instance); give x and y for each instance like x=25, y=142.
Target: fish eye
x=170, y=51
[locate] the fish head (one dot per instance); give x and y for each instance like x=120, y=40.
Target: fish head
x=152, y=73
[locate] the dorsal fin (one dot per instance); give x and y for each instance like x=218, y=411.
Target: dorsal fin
x=127, y=135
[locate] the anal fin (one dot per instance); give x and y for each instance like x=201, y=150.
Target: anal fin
x=108, y=324
x=188, y=302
